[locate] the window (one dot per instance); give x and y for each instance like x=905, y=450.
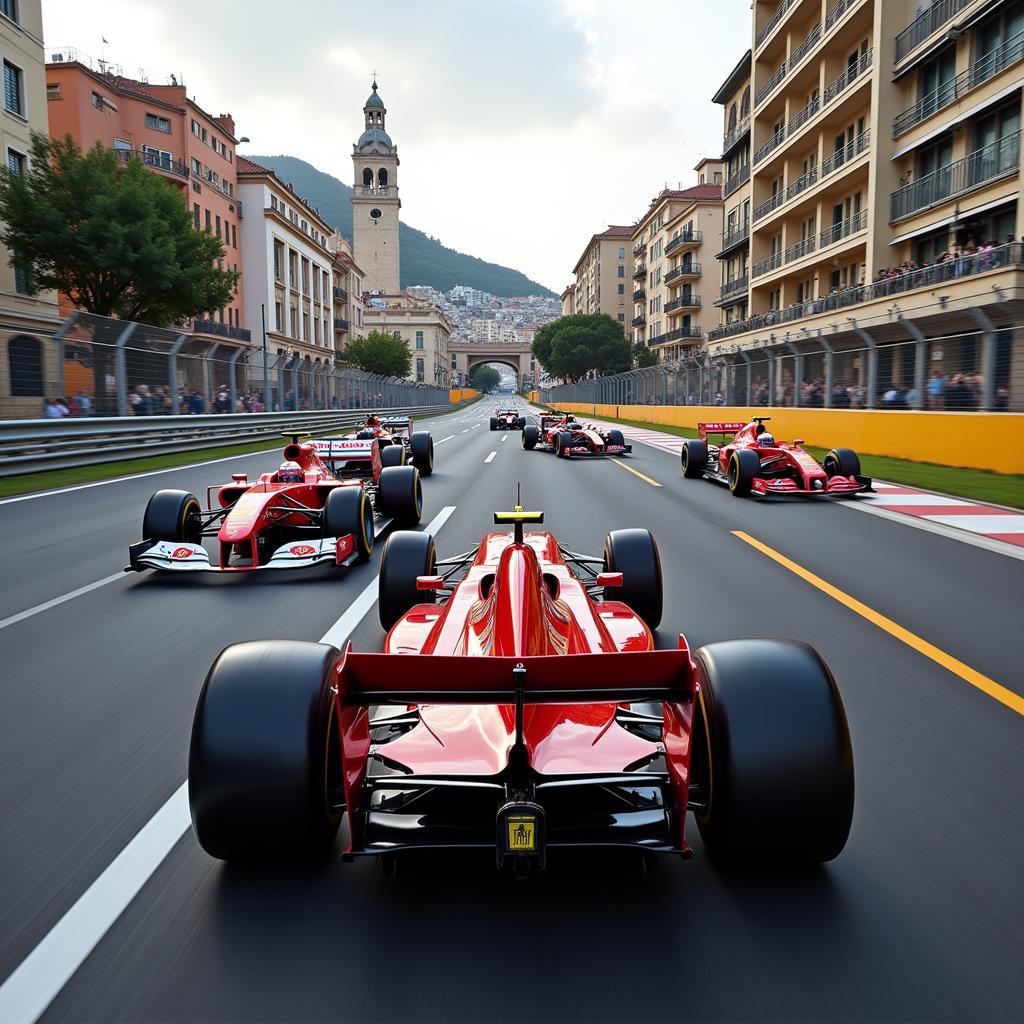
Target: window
x=622, y=252
x=622, y=270
x=305, y=326
x=419, y=370
x=293, y=321
x=293, y=268
x=13, y=89
x=278, y=316
x=419, y=339
x=97, y=101
x=25, y=358
x=209, y=221
x=305, y=276
x=157, y=157
x=278, y=259
x=9, y=8
x=217, y=219
x=622, y=289
x=622, y=317
x=316, y=331
x=195, y=215
x=161, y=124
x=234, y=238
x=52, y=88
x=15, y=161
x=197, y=167
x=22, y=281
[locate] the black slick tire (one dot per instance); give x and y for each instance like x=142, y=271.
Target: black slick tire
x=349, y=510
x=172, y=515
x=694, y=456
x=841, y=462
x=421, y=445
x=563, y=439
x=744, y=465
x=531, y=434
x=521, y=422
x=615, y=437
x=780, y=789
x=494, y=423
x=400, y=495
x=264, y=766
x=635, y=554
x=393, y=455
x=407, y=554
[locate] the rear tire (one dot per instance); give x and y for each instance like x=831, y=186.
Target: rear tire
x=407, y=554
x=264, y=765
x=744, y=465
x=421, y=444
x=400, y=494
x=348, y=510
x=634, y=553
x=393, y=455
x=781, y=784
x=172, y=515
x=494, y=423
x=522, y=422
x=841, y=462
x=531, y=435
x=694, y=458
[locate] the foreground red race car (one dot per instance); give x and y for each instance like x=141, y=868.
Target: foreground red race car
x=520, y=707
x=297, y=517
x=507, y=419
x=559, y=432
x=753, y=462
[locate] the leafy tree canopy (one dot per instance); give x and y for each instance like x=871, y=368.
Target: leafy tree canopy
x=381, y=352
x=116, y=238
x=643, y=356
x=484, y=377
x=574, y=347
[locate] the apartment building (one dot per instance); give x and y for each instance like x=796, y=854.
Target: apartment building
x=884, y=134
x=29, y=367
x=348, y=293
x=568, y=300
x=602, y=275
x=424, y=327
x=159, y=124
x=289, y=268
x=672, y=243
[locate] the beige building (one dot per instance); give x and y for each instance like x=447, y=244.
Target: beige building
x=348, y=293
x=29, y=366
x=884, y=134
x=568, y=298
x=424, y=327
x=602, y=275
x=672, y=243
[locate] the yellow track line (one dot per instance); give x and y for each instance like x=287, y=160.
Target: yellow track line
x=1014, y=701
x=635, y=472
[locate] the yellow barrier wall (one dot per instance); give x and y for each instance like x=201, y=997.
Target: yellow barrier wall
x=456, y=395
x=975, y=440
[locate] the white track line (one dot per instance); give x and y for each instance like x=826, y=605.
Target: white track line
x=46, y=605
x=489, y=458
x=503, y=436
x=38, y=979
x=443, y=439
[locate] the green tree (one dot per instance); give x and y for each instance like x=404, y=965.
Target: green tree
x=381, y=352
x=643, y=356
x=484, y=377
x=573, y=347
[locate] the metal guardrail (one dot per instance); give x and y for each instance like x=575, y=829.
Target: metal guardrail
x=32, y=446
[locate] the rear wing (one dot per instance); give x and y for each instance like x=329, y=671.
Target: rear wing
x=331, y=449
x=396, y=421
x=703, y=429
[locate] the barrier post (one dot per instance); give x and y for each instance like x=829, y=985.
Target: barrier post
x=988, y=358
x=172, y=371
x=122, y=370
x=871, y=396
x=920, y=359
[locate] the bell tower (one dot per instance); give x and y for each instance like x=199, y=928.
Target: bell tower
x=375, y=202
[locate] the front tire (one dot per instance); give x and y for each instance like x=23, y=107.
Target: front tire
x=348, y=510
x=615, y=437
x=422, y=446
x=694, y=458
x=780, y=786
x=744, y=465
x=635, y=554
x=841, y=462
x=531, y=435
x=407, y=554
x=172, y=515
x=264, y=764
x=400, y=494
x=563, y=439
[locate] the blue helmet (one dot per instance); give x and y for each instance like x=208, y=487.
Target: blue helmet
x=766, y=440
x=290, y=473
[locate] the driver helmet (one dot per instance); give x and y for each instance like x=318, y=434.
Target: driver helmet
x=573, y=425
x=290, y=473
x=766, y=440
x=365, y=435
x=371, y=421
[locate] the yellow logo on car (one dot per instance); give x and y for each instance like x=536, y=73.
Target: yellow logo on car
x=522, y=834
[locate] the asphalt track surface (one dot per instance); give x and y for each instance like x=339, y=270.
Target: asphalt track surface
x=919, y=919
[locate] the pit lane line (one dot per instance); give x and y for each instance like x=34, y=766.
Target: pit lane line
x=39, y=978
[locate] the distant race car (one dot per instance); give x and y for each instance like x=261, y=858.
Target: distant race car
x=507, y=419
x=300, y=516
x=753, y=462
x=560, y=433
x=516, y=713
x=378, y=434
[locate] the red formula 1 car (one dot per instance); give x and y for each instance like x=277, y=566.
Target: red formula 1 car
x=300, y=516
x=391, y=439
x=513, y=712
x=560, y=433
x=753, y=462
x=507, y=419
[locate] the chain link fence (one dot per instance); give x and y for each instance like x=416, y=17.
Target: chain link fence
x=969, y=371
x=95, y=366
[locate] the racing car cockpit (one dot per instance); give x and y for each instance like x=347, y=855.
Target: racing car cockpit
x=765, y=440
x=289, y=473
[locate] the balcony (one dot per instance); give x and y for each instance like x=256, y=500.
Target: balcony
x=731, y=290
x=638, y=248
x=850, y=226
x=735, y=134
x=686, y=301
x=638, y=321
x=849, y=152
x=770, y=146
x=157, y=161
x=772, y=203
x=769, y=86
x=640, y=270
x=805, y=47
x=766, y=266
x=340, y=293
x=798, y=120
x=639, y=295
x=800, y=250
x=340, y=323
x=990, y=65
x=219, y=330
x=684, y=270
x=683, y=333
x=837, y=11
x=927, y=23
x=773, y=22
x=740, y=178
x=684, y=238
x=927, y=277
x=850, y=75
x=738, y=234
x=998, y=160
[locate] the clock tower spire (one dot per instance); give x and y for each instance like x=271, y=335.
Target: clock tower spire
x=375, y=202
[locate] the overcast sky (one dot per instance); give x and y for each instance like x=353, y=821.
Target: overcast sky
x=523, y=126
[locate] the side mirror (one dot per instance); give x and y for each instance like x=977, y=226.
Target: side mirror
x=430, y=583
x=798, y=440
x=609, y=579
x=240, y=478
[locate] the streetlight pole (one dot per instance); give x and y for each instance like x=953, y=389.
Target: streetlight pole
x=266, y=376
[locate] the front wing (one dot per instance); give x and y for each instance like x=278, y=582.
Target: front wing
x=181, y=556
